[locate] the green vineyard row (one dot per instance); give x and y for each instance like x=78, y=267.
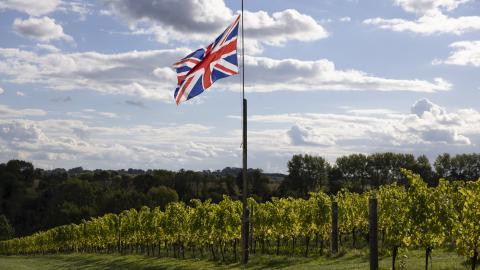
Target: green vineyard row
x=413, y=216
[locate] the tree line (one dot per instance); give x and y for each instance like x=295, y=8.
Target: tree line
x=33, y=199
x=360, y=173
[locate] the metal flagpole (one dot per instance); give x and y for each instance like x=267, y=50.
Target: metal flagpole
x=245, y=215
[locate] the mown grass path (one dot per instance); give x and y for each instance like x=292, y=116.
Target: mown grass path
x=442, y=260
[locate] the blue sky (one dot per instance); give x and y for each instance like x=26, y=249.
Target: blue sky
x=90, y=83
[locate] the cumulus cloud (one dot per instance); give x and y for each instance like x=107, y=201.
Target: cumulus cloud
x=196, y=20
x=425, y=6
x=465, y=53
x=31, y=7
x=148, y=74
x=308, y=136
x=191, y=16
x=20, y=94
x=422, y=106
x=448, y=136
x=58, y=142
x=2, y=91
x=427, y=127
x=19, y=131
x=81, y=8
x=69, y=142
x=434, y=23
x=282, y=26
x=131, y=73
x=431, y=20
x=267, y=74
x=200, y=151
x=39, y=8
x=44, y=29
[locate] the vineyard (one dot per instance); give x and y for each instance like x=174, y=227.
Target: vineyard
x=411, y=216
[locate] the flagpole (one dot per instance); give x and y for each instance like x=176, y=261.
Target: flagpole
x=245, y=215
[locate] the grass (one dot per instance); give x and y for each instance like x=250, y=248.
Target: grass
x=356, y=259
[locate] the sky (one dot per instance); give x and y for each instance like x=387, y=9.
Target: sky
x=90, y=83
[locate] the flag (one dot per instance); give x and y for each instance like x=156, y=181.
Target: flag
x=199, y=70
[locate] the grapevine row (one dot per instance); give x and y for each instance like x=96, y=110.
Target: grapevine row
x=414, y=215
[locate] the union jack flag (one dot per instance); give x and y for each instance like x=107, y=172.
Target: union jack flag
x=199, y=70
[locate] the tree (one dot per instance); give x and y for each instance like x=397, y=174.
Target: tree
x=424, y=169
x=335, y=180
x=306, y=174
x=73, y=200
x=257, y=184
x=144, y=182
x=117, y=200
x=161, y=196
x=353, y=172
x=6, y=230
x=466, y=167
x=23, y=169
x=443, y=166
x=385, y=168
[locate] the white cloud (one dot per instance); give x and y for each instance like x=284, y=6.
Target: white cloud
x=91, y=114
x=20, y=94
x=48, y=48
x=282, y=26
x=448, y=136
x=345, y=19
x=266, y=75
x=432, y=19
x=44, y=29
x=424, y=105
x=57, y=142
x=69, y=143
x=31, y=7
x=426, y=6
x=199, y=16
x=2, y=91
x=434, y=23
x=428, y=127
x=108, y=114
x=81, y=8
x=465, y=53
x=202, y=20
x=371, y=111
x=7, y=112
x=42, y=7
x=133, y=73
x=304, y=135
x=200, y=151
x=148, y=74
x=19, y=132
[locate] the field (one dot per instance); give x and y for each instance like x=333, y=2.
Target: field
x=419, y=217
x=442, y=260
